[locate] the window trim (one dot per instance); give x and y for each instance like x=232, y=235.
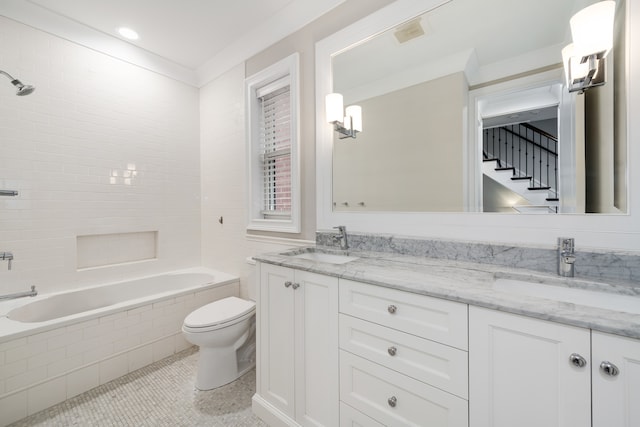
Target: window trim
x=289, y=66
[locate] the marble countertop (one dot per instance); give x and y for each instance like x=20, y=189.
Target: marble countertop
x=475, y=284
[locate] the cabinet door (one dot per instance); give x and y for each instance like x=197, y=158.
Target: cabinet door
x=616, y=395
x=520, y=373
x=316, y=349
x=276, y=337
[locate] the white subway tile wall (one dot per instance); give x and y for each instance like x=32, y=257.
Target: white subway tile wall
x=100, y=147
x=46, y=368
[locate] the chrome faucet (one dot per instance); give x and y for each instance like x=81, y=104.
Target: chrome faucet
x=566, y=257
x=7, y=256
x=341, y=237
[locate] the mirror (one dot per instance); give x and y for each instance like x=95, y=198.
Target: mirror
x=437, y=88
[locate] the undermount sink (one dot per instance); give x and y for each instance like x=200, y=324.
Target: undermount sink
x=326, y=258
x=591, y=298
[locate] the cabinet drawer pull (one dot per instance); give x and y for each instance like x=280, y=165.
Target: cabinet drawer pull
x=392, y=350
x=392, y=401
x=609, y=368
x=392, y=309
x=578, y=360
x=287, y=284
x=295, y=285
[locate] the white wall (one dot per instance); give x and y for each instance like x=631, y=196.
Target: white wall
x=414, y=165
x=226, y=246
x=92, y=117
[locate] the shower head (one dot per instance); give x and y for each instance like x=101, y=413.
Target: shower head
x=22, y=88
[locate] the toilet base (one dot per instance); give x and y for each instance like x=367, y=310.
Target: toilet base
x=220, y=366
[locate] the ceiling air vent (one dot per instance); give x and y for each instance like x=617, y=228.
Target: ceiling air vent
x=409, y=31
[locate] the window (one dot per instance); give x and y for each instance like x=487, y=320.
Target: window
x=272, y=147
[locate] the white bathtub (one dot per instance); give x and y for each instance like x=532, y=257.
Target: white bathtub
x=112, y=296
x=53, y=347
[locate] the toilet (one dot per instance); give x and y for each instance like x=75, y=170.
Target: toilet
x=225, y=332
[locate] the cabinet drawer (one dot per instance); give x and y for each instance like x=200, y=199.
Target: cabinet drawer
x=436, y=364
x=350, y=417
x=395, y=399
x=432, y=318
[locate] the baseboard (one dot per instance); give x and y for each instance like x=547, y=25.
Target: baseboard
x=270, y=414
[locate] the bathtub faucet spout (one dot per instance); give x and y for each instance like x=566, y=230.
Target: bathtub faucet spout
x=31, y=293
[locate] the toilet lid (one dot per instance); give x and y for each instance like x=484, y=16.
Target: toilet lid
x=217, y=312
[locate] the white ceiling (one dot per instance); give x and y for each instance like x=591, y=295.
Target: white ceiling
x=482, y=38
x=191, y=40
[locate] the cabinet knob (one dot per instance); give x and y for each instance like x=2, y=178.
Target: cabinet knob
x=392, y=309
x=295, y=285
x=577, y=360
x=392, y=351
x=392, y=401
x=609, y=368
x=287, y=284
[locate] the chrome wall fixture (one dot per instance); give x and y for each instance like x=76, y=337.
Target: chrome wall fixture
x=592, y=34
x=347, y=125
x=22, y=88
x=7, y=256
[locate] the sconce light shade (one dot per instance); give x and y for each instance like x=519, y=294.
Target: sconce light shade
x=592, y=29
x=592, y=33
x=334, y=107
x=354, y=114
x=349, y=124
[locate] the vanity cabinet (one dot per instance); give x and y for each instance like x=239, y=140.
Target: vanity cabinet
x=531, y=372
x=340, y=352
x=615, y=376
x=520, y=373
x=297, y=336
x=403, y=358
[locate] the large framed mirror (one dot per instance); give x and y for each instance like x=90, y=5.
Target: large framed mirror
x=456, y=84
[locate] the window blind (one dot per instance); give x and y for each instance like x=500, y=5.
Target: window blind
x=275, y=151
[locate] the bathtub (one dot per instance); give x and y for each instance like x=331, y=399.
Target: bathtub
x=56, y=346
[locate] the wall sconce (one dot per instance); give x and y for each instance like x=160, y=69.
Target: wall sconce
x=592, y=33
x=349, y=124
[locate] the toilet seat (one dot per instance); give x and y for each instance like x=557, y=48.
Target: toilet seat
x=219, y=314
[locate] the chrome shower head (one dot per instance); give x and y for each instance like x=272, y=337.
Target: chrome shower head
x=22, y=88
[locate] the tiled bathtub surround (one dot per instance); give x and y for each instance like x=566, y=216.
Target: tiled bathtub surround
x=101, y=147
x=43, y=369
x=599, y=265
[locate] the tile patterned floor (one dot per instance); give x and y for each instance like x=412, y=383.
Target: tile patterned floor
x=161, y=394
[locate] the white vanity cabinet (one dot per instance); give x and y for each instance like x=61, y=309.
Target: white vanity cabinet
x=615, y=374
x=297, y=336
x=530, y=373
x=520, y=372
x=403, y=358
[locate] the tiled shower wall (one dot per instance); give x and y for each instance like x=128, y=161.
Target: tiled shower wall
x=101, y=147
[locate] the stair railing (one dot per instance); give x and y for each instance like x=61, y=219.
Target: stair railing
x=531, y=152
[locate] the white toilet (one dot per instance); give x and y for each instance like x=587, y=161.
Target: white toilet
x=225, y=332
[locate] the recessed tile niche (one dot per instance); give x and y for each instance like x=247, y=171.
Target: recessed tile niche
x=99, y=250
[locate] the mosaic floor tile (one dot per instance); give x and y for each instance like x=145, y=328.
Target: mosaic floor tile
x=161, y=394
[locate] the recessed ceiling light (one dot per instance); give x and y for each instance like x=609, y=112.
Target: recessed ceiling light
x=128, y=33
